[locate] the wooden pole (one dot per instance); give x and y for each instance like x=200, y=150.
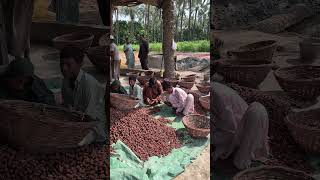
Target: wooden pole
x=3, y=42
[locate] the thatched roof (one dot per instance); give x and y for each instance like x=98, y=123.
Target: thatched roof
x=156, y=3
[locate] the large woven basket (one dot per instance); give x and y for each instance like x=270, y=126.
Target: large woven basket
x=80, y=40
x=42, y=128
x=245, y=75
x=261, y=51
x=122, y=102
x=186, y=85
x=308, y=137
x=99, y=57
x=189, y=78
x=309, y=49
x=198, y=126
x=205, y=102
x=204, y=88
x=272, y=173
x=300, y=81
x=173, y=82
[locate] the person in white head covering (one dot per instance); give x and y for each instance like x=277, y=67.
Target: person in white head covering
x=240, y=130
x=115, y=57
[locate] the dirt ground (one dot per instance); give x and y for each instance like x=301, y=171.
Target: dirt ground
x=199, y=169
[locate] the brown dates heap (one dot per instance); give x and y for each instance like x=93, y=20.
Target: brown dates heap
x=89, y=162
x=143, y=134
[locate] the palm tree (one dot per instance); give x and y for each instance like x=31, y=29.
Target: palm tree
x=168, y=32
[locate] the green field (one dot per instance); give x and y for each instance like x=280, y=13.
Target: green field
x=186, y=46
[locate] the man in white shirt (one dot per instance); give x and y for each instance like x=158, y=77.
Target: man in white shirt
x=115, y=57
x=239, y=129
x=135, y=90
x=83, y=92
x=182, y=102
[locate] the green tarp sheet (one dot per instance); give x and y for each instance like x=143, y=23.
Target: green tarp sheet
x=126, y=165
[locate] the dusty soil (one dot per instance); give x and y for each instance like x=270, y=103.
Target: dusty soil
x=199, y=169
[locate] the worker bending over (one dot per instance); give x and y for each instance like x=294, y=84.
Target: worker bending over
x=182, y=102
x=135, y=90
x=152, y=92
x=83, y=92
x=116, y=87
x=20, y=83
x=240, y=130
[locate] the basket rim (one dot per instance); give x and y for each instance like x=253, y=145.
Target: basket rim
x=184, y=119
x=274, y=43
x=60, y=38
x=277, y=73
x=66, y=123
x=117, y=95
x=289, y=121
x=228, y=63
x=266, y=167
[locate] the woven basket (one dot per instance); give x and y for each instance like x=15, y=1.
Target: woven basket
x=261, y=51
x=300, y=81
x=42, y=128
x=80, y=40
x=272, y=173
x=99, y=57
x=309, y=49
x=308, y=137
x=122, y=102
x=132, y=74
x=204, y=88
x=143, y=79
x=205, y=102
x=187, y=85
x=245, y=75
x=198, y=126
x=173, y=82
x=189, y=78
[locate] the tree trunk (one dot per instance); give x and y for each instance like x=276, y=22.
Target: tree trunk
x=168, y=32
x=194, y=23
x=117, y=23
x=190, y=13
x=148, y=21
x=181, y=22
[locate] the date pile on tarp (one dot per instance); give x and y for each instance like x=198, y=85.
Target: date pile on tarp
x=150, y=146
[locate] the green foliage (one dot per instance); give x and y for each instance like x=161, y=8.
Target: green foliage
x=186, y=46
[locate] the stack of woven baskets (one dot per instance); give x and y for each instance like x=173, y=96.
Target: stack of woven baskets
x=188, y=81
x=249, y=65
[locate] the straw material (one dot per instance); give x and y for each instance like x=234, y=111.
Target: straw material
x=245, y=75
x=80, y=40
x=42, y=128
x=272, y=173
x=198, y=126
x=99, y=57
x=122, y=102
x=186, y=85
x=300, y=81
x=259, y=52
x=308, y=137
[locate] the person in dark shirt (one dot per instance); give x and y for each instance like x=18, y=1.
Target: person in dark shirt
x=144, y=52
x=116, y=87
x=20, y=83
